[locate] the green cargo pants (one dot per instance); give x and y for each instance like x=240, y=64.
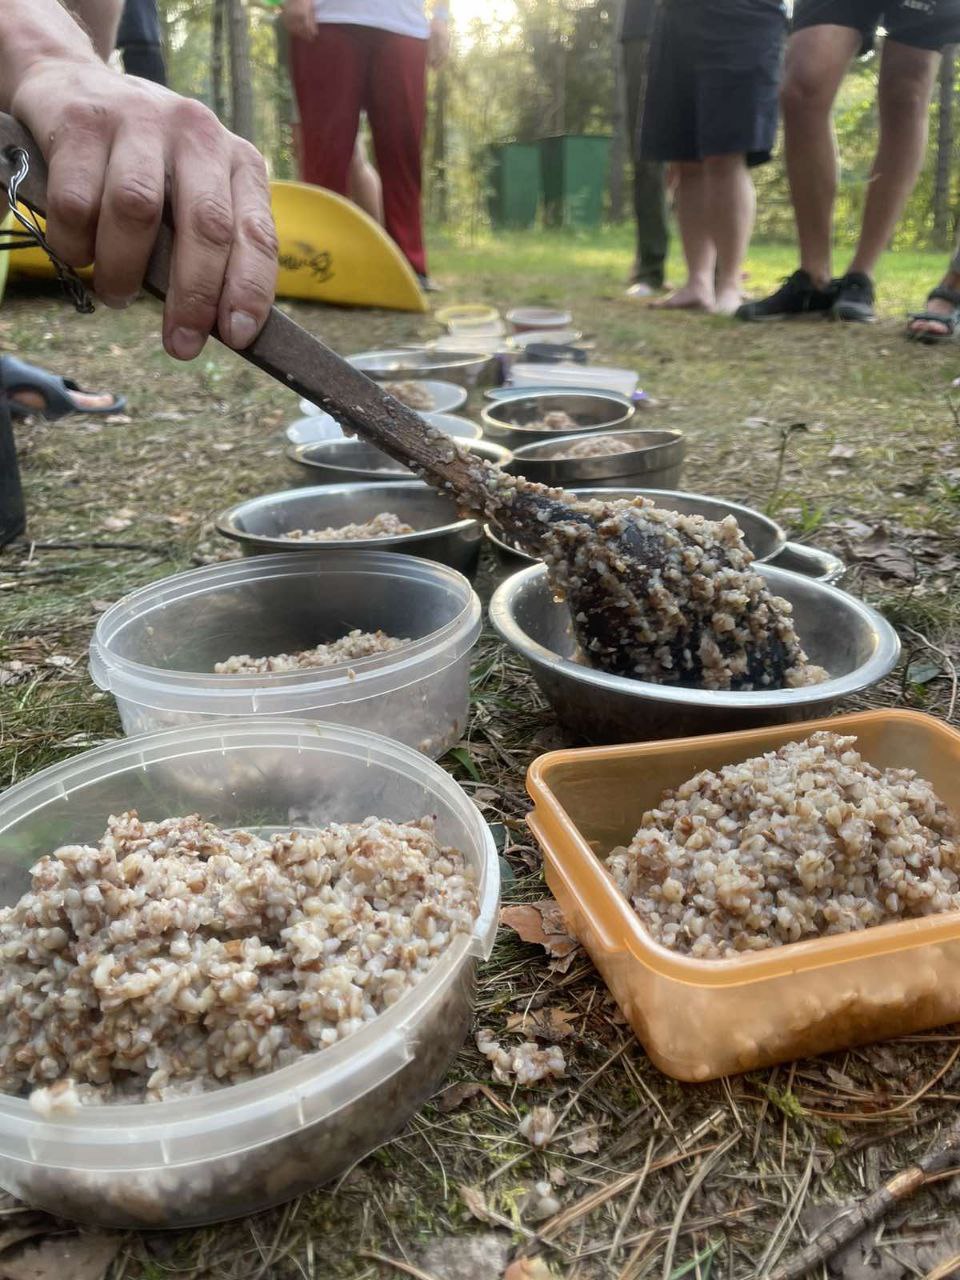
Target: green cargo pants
x=649, y=195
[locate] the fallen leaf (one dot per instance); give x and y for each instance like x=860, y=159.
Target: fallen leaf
x=118, y=419
x=842, y=451
x=455, y=1095
x=529, y=1269
x=60, y=660
x=114, y=524
x=76, y=1257
x=476, y=1204
x=541, y=923
x=879, y=552
x=180, y=519
x=587, y=1141
x=546, y=1024
x=922, y=671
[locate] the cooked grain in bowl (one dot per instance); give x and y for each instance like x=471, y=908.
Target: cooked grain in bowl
x=799, y=843
x=411, y=394
x=555, y=420
x=591, y=447
x=386, y=524
x=349, y=648
x=175, y=957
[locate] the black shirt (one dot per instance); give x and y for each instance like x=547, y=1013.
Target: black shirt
x=638, y=19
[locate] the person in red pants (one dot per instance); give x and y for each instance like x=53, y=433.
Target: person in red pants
x=350, y=56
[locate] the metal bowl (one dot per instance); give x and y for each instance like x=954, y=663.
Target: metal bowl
x=655, y=461
x=447, y=398
x=852, y=641
x=508, y=421
x=763, y=536
x=462, y=367
x=356, y=461
x=260, y=525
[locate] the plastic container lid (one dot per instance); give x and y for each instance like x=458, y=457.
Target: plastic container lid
x=539, y=318
x=592, y=377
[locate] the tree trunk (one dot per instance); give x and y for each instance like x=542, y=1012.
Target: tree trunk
x=438, y=159
x=241, y=78
x=618, y=147
x=217, y=97
x=941, y=187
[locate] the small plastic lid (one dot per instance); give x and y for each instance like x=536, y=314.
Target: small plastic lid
x=539, y=318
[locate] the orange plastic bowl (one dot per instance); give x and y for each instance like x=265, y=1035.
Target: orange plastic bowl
x=700, y=1019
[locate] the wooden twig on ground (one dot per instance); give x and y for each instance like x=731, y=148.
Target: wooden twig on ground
x=851, y=1224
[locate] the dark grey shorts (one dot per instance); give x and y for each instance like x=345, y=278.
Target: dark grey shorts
x=922, y=24
x=714, y=80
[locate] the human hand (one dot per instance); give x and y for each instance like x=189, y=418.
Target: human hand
x=116, y=148
x=438, y=49
x=300, y=19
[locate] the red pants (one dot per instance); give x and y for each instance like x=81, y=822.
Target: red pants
x=349, y=69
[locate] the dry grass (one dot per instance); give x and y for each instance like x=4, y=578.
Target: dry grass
x=702, y=1181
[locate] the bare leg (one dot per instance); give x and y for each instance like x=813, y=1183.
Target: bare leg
x=817, y=60
x=363, y=184
x=733, y=202
x=693, y=215
x=906, y=83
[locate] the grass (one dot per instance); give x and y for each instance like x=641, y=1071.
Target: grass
x=764, y=411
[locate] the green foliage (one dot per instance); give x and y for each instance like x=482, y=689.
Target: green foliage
x=547, y=68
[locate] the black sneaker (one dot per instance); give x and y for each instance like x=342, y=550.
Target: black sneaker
x=854, y=299
x=797, y=296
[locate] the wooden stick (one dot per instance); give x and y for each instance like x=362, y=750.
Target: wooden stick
x=852, y=1223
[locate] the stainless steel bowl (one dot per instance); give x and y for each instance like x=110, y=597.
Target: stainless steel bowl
x=260, y=525
x=852, y=641
x=508, y=421
x=463, y=367
x=810, y=561
x=655, y=461
x=356, y=461
x=763, y=536
x=454, y=424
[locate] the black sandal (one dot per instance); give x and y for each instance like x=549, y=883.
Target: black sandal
x=57, y=393
x=950, y=322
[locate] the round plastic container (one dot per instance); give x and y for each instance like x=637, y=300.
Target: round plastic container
x=240, y=1149
x=156, y=649
x=523, y=319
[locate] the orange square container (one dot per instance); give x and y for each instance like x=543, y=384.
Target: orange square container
x=700, y=1019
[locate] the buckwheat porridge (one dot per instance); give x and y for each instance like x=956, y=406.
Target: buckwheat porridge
x=799, y=843
x=349, y=648
x=174, y=957
x=385, y=524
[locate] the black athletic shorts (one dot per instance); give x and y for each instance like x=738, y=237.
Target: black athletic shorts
x=713, y=80
x=923, y=24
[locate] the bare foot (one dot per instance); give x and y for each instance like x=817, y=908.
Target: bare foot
x=85, y=401
x=691, y=297
x=728, y=300
x=938, y=307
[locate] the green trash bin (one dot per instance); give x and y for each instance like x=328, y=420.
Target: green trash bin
x=514, y=195
x=574, y=175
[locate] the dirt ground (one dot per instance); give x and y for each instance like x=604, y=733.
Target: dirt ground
x=849, y=437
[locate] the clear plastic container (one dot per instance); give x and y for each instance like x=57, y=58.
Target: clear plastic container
x=155, y=650
x=594, y=377
x=700, y=1019
x=523, y=319
x=240, y=1149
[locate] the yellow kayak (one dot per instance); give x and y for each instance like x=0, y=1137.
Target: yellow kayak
x=330, y=251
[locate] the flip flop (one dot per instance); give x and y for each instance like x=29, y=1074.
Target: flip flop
x=57, y=393
x=949, y=322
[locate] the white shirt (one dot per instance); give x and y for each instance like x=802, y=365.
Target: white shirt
x=402, y=17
